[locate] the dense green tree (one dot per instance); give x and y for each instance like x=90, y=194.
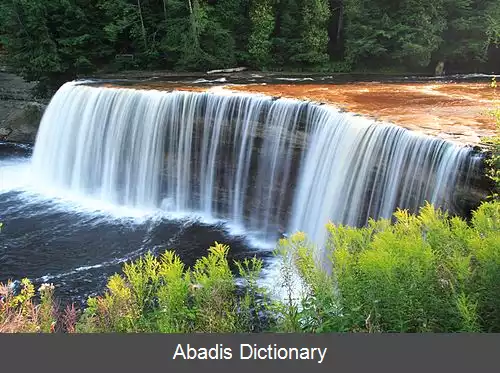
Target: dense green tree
x=286, y=38
x=29, y=45
x=419, y=27
x=232, y=17
x=201, y=35
x=259, y=44
x=493, y=23
x=301, y=33
x=387, y=32
x=51, y=41
x=470, y=30
x=313, y=43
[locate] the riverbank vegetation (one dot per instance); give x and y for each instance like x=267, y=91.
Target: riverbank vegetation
x=52, y=41
x=422, y=273
x=492, y=143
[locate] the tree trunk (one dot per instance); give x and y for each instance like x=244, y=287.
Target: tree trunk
x=165, y=9
x=194, y=26
x=139, y=8
x=14, y=8
x=341, y=21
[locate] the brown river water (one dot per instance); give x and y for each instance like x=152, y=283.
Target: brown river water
x=459, y=112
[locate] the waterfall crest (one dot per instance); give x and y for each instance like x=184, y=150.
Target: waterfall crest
x=264, y=164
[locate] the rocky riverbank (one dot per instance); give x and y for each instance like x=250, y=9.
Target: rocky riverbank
x=20, y=112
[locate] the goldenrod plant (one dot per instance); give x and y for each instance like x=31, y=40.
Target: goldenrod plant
x=20, y=313
x=428, y=272
x=163, y=295
x=424, y=273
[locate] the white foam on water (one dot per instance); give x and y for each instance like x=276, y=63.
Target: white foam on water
x=14, y=174
x=295, y=79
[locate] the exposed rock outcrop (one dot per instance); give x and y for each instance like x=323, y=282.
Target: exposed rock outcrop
x=20, y=113
x=22, y=121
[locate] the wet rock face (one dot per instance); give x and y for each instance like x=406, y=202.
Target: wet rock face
x=20, y=120
x=20, y=115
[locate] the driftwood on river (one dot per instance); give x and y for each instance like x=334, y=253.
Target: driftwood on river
x=233, y=70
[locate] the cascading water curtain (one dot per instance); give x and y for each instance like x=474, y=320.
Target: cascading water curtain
x=265, y=165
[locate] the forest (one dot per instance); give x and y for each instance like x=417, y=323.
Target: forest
x=51, y=41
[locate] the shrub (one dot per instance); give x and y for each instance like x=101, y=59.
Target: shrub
x=493, y=144
x=424, y=273
x=162, y=295
x=19, y=313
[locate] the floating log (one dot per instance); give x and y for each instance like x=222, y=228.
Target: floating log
x=233, y=70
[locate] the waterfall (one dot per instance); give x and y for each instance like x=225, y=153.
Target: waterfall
x=264, y=164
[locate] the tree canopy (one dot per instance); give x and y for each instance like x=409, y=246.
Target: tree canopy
x=54, y=40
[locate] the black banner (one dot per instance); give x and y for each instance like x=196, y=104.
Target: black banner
x=139, y=353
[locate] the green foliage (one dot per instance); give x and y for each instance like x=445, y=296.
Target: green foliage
x=471, y=29
x=493, y=24
x=252, y=305
x=286, y=38
x=259, y=44
x=47, y=310
x=424, y=273
x=24, y=297
x=301, y=36
x=213, y=297
x=406, y=32
x=312, y=47
x=162, y=295
x=20, y=313
x=53, y=41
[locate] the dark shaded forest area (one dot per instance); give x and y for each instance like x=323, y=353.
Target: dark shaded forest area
x=51, y=41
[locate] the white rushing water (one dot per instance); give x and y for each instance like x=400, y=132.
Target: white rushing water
x=265, y=165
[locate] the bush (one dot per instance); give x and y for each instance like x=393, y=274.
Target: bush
x=493, y=145
x=19, y=313
x=425, y=273
x=162, y=295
